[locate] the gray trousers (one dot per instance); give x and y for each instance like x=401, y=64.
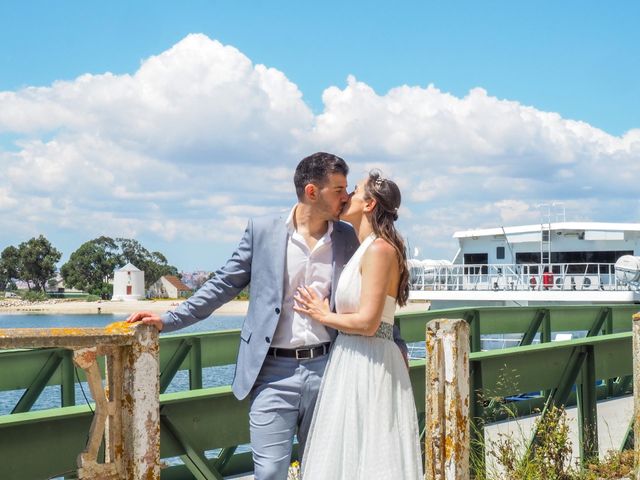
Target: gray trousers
x=282, y=403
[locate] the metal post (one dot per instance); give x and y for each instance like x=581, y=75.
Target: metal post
x=588, y=409
x=636, y=395
x=447, y=400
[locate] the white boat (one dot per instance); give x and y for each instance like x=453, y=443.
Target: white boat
x=547, y=263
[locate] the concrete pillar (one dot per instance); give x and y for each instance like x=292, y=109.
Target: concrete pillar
x=447, y=400
x=636, y=395
x=127, y=413
x=141, y=412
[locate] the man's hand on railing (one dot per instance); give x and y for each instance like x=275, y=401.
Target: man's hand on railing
x=148, y=318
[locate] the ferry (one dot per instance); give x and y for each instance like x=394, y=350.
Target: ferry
x=549, y=263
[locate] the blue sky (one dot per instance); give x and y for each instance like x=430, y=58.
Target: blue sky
x=578, y=58
x=556, y=97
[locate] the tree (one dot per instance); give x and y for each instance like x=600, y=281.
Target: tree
x=154, y=264
x=9, y=266
x=38, y=260
x=91, y=265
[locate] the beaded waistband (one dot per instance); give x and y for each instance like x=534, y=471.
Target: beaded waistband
x=385, y=330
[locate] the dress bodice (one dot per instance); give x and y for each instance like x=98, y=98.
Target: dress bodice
x=350, y=286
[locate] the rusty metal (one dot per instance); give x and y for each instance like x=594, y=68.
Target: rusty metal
x=126, y=413
x=447, y=400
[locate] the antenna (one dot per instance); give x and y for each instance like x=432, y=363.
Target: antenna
x=560, y=211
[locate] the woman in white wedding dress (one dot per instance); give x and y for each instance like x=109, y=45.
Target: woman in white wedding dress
x=365, y=423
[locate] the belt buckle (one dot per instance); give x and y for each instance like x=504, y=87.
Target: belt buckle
x=300, y=350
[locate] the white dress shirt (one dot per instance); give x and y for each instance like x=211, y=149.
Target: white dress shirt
x=304, y=267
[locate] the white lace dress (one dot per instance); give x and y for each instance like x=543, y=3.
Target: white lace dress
x=365, y=423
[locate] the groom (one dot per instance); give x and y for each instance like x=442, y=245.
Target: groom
x=282, y=353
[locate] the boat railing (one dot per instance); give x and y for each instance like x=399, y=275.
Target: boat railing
x=553, y=276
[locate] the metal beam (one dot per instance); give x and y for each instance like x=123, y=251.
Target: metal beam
x=472, y=317
x=195, y=366
x=39, y=383
x=598, y=323
x=224, y=458
x=173, y=365
x=534, y=326
x=68, y=380
x=587, y=409
x=193, y=457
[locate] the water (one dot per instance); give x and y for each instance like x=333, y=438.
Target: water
x=52, y=320
x=50, y=397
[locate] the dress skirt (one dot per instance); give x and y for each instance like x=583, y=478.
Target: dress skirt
x=364, y=424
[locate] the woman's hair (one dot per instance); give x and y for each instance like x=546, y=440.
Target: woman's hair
x=387, y=196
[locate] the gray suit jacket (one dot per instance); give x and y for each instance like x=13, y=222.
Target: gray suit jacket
x=259, y=260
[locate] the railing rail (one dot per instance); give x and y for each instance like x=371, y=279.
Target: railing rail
x=564, y=277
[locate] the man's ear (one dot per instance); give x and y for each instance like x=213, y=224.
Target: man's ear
x=311, y=191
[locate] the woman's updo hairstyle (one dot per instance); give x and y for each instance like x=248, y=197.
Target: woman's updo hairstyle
x=387, y=196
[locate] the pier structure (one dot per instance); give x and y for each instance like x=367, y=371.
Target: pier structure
x=206, y=430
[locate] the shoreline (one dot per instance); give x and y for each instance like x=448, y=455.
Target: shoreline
x=71, y=307
x=234, y=307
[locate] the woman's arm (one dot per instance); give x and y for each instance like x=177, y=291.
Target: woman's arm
x=379, y=265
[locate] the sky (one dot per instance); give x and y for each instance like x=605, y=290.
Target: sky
x=174, y=122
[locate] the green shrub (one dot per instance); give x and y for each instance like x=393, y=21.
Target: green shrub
x=31, y=296
x=92, y=298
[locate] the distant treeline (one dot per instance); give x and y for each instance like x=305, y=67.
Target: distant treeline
x=89, y=268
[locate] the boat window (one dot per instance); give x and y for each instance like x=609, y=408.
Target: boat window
x=500, y=253
x=479, y=262
x=577, y=261
x=528, y=258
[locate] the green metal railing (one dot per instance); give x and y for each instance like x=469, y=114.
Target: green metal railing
x=211, y=420
x=527, y=321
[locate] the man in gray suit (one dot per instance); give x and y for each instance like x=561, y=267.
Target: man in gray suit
x=282, y=353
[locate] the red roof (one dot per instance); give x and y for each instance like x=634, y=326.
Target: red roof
x=176, y=282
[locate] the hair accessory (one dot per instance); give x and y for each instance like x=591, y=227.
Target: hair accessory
x=379, y=181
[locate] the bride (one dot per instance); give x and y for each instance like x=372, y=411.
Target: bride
x=365, y=423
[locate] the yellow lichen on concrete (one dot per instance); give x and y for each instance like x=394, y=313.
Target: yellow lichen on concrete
x=122, y=328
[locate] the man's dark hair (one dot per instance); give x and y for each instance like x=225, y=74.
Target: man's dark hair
x=316, y=169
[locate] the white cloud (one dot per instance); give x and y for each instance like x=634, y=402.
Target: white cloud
x=199, y=138
x=6, y=201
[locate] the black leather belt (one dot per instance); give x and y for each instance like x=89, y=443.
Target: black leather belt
x=303, y=353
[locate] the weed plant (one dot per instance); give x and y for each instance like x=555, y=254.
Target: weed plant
x=513, y=457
